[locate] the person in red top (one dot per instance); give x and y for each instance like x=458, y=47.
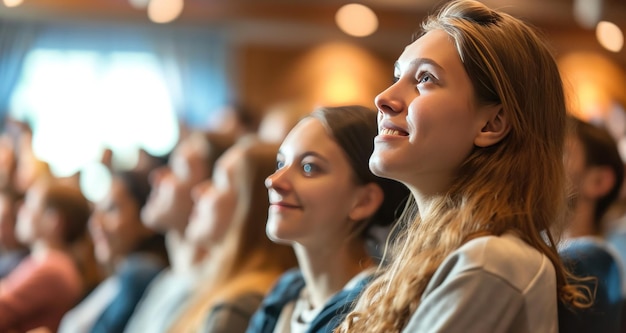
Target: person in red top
x=48, y=282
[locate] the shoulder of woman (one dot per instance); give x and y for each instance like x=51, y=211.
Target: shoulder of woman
x=506, y=256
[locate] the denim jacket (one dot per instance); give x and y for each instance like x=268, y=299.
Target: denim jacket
x=288, y=289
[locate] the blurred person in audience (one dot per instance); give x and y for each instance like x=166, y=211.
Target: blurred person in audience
x=8, y=160
x=148, y=162
x=12, y=251
x=229, y=216
x=132, y=254
x=48, y=282
x=28, y=167
x=595, y=171
x=614, y=220
x=324, y=199
x=168, y=211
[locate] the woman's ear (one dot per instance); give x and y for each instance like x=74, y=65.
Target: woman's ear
x=495, y=128
x=369, y=199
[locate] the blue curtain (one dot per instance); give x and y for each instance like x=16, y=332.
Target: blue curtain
x=196, y=67
x=16, y=39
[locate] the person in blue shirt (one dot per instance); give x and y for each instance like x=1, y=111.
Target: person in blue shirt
x=131, y=253
x=596, y=173
x=323, y=201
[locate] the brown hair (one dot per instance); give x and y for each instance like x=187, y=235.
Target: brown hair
x=493, y=192
x=70, y=203
x=137, y=185
x=354, y=127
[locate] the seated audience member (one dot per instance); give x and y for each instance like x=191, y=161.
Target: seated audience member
x=473, y=124
x=167, y=211
x=324, y=199
x=11, y=250
x=29, y=168
x=131, y=253
x=596, y=172
x=48, y=282
x=8, y=156
x=228, y=219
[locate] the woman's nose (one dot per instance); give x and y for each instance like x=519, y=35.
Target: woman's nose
x=390, y=100
x=277, y=180
x=269, y=181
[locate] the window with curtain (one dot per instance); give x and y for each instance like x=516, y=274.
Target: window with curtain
x=81, y=102
x=86, y=89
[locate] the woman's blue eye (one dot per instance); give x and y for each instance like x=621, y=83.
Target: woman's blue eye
x=279, y=165
x=424, y=78
x=308, y=168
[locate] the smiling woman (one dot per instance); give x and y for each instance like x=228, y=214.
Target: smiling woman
x=324, y=200
x=483, y=158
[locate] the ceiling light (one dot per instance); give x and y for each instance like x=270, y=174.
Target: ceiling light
x=164, y=11
x=610, y=36
x=587, y=12
x=356, y=20
x=13, y=3
x=139, y=4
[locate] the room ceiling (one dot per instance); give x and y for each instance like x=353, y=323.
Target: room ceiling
x=303, y=21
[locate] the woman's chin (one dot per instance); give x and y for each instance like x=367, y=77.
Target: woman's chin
x=276, y=236
x=379, y=167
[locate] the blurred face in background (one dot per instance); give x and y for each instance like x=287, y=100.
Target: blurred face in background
x=575, y=164
x=8, y=220
x=115, y=225
x=215, y=202
x=7, y=160
x=170, y=201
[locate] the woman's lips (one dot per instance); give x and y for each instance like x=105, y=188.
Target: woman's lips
x=391, y=131
x=284, y=205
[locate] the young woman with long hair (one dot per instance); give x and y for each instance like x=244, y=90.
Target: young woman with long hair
x=474, y=126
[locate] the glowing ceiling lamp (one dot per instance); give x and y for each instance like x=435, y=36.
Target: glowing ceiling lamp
x=610, y=36
x=588, y=12
x=12, y=3
x=139, y=4
x=164, y=11
x=356, y=20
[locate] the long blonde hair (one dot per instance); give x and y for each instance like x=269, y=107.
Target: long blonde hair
x=494, y=191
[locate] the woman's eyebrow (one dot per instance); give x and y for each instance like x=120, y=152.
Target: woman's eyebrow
x=420, y=61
